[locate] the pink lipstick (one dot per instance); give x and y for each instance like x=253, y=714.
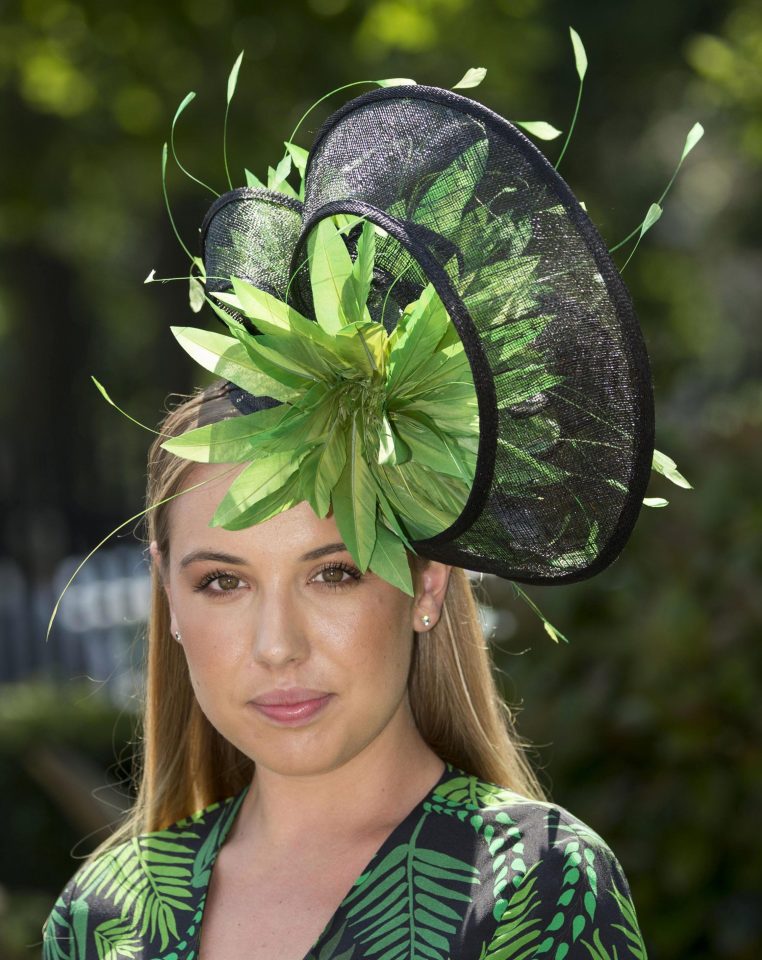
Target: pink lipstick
x=293, y=706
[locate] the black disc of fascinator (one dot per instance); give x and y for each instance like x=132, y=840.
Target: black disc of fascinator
x=461, y=200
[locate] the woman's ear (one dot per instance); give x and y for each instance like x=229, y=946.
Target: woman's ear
x=432, y=587
x=158, y=561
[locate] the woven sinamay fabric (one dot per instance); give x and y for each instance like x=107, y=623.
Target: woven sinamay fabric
x=467, y=203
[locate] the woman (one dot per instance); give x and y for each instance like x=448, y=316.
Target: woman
x=328, y=771
x=358, y=707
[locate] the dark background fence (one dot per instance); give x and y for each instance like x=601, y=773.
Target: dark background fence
x=648, y=724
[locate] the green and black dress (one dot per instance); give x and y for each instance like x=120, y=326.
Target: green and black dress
x=474, y=872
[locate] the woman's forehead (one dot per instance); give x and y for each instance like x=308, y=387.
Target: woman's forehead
x=289, y=534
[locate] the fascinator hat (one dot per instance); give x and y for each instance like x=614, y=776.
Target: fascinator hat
x=429, y=339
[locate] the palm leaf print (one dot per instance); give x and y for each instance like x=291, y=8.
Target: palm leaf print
x=462, y=797
x=115, y=939
x=569, y=920
x=148, y=878
x=58, y=936
x=409, y=905
x=597, y=949
x=476, y=793
x=207, y=853
x=579, y=830
x=517, y=936
x=631, y=930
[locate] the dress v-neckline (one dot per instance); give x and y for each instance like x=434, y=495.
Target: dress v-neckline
x=405, y=826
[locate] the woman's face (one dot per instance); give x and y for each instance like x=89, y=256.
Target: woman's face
x=295, y=657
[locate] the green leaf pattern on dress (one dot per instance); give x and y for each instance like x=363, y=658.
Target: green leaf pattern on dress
x=475, y=872
x=409, y=905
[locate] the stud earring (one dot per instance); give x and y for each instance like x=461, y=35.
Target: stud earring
x=426, y=620
x=177, y=636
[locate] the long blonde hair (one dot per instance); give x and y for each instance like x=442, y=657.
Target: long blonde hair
x=186, y=764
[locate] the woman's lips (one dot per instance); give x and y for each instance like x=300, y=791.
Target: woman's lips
x=291, y=707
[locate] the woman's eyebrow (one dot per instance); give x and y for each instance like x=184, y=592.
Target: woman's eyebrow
x=210, y=555
x=322, y=551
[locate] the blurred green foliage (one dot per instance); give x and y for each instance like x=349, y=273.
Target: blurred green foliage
x=648, y=724
x=65, y=768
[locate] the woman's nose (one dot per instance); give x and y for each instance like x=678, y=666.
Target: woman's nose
x=277, y=631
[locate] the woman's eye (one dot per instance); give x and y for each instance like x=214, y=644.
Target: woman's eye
x=227, y=583
x=219, y=582
x=338, y=575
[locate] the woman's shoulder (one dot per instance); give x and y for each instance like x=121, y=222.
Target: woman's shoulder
x=185, y=844
x=153, y=874
x=545, y=871
x=481, y=803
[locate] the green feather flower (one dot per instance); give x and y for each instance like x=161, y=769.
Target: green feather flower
x=380, y=428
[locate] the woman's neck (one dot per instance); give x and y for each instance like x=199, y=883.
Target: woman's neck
x=368, y=794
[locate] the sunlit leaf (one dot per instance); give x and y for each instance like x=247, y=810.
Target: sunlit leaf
x=389, y=560
x=426, y=502
x=655, y=502
x=228, y=358
x=668, y=468
x=233, y=77
x=281, y=498
x=277, y=364
x=418, y=335
x=330, y=266
x=654, y=212
x=344, y=222
x=262, y=307
x=361, y=345
x=299, y=155
x=354, y=503
x=392, y=449
x=539, y=129
x=226, y=441
x=252, y=180
x=431, y=446
x=280, y=173
x=357, y=285
x=196, y=294
x=580, y=57
x=329, y=466
x=396, y=82
x=694, y=135
x=261, y=477
x=471, y=78
x=390, y=517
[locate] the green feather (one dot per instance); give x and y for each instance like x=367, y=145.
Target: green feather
x=354, y=502
x=227, y=441
x=389, y=560
x=260, y=478
x=330, y=267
